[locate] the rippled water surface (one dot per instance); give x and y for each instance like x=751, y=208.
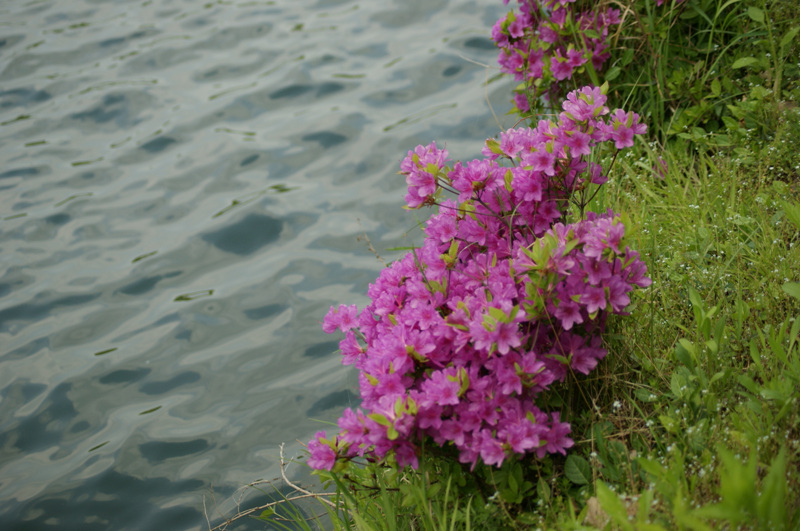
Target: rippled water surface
x=183, y=192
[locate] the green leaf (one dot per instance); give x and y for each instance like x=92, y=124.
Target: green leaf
x=749, y=384
x=194, y=295
x=494, y=146
x=789, y=37
x=793, y=289
x=577, y=470
x=543, y=490
x=683, y=356
x=613, y=506
x=643, y=395
x=744, y=61
x=756, y=14
x=613, y=73
x=627, y=57
x=669, y=423
x=592, y=34
x=718, y=376
x=678, y=385
x=792, y=212
x=716, y=87
x=380, y=419
x=772, y=503
x=689, y=346
x=651, y=467
x=513, y=486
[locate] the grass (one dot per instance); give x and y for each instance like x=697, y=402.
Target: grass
x=703, y=382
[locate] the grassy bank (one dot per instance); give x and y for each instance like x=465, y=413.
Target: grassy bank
x=692, y=421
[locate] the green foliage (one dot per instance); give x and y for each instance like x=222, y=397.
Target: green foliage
x=742, y=503
x=707, y=71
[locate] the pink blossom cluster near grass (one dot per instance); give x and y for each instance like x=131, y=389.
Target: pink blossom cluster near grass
x=504, y=298
x=548, y=41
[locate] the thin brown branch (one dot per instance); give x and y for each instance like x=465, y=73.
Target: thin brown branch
x=369, y=244
x=295, y=487
x=304, y=494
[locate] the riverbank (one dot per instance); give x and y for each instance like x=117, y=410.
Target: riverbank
x=691, y=420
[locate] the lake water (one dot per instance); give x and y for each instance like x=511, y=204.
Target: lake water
x=184, y=188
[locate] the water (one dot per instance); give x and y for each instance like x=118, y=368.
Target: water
x=183, y=191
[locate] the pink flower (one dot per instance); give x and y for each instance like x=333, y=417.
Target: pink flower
x=442, y=387
x=503, y=298
x=561, y=67
x=578, y=143
x=322, y=455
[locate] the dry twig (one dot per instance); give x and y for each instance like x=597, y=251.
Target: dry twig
x=319, y=496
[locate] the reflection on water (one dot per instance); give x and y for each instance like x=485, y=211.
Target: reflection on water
x=182, y=193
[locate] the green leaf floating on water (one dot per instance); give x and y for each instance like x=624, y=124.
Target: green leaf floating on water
x=92, y=449
x=194, y=295
x=252, y=196
x=143, y=256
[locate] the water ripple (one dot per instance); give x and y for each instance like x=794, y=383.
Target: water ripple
x=184, y=191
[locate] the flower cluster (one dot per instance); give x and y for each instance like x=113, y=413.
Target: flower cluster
x=503, y=299
x=547, y=41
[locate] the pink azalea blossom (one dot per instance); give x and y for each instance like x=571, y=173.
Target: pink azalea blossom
x=503, y=298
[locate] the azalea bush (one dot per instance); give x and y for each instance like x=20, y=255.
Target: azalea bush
x=547, y=43
x=466, y=334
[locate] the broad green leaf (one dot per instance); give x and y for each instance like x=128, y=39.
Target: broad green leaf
x=793, y=289
x=627, y=57
x=613, y=73
x=689, y=346
x=749, y=384
x=755, y=14
x=577, y=470
x=513, y=485
x=651, y=467
x=380, y=419
x=669, y=423
x=744, y=61
x=678, y=385
x=643, y=395
x=789, y=37
x=683, y=355
x=543, y=490
x=494, y=146
x=718, y=376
